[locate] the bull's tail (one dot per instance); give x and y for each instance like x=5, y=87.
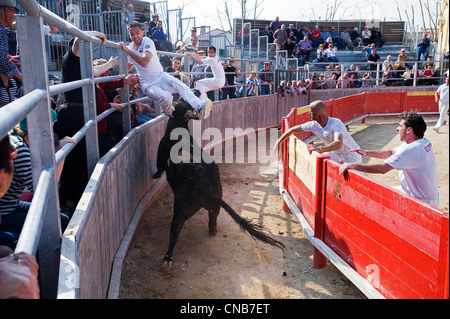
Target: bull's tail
x=253, y=229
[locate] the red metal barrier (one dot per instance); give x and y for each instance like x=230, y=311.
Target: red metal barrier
x=395, y=242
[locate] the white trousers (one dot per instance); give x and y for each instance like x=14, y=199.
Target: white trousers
x=205, y=85
x=162, y=87
x=443, y=108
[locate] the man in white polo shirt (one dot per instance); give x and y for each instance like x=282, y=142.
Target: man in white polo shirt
x=218, y=79
x=156, y=83
x=338, y=142
x=414, y=160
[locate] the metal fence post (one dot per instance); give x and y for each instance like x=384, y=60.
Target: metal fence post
x=123, y=69
x=40, y=132
x=89, y=104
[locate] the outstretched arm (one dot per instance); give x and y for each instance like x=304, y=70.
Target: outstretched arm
x=143, y=60
x=381, y=168
x=292, y=130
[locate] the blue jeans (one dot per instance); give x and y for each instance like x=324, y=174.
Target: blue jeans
x=420, y=53
x=12, y=223
x=264, y=89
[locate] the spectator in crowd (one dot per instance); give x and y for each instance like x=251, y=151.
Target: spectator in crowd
x=13, y=210
x=328, y=42
x=338, y=142
x=274, y=26
x=343, y=81
x=301, y=88
x=159, y=37
x=128, y=14
x=218, y=79
x=368, y=49
x=414, y=160
x=401, y=64
x=331, y=54
x=305, y=32
x=265, y=78
x=441, y=96
x=428, y=75
x=281, y=36
x=313, y=82
x=332, y=82
x=239, y=81
x=290, y=47
x=324, y=34
x=388, y=78
x=365, y=35
x=366, y=80
x=298, y=55
x=293, y=38
x=70, y=120
x=316, y=37
x=376, y=37
x=145, y=18
x=329, y=72
x=305, y=48
x=18, y=272
x=336, y=39
x=356, y=38
x=387, y=62
x=230, y=73
x=266, y=32
x=188, y=39
x=429, y=61
x=281, y=92
x=407, y=76
x=289, y=89
x=8, y=69
x=321, y=55
x=154, y=22
x=373, y=59
x=422, y=47
x=252, y=85
x=346, y=39
x=108, y=17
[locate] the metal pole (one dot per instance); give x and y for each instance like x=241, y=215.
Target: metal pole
x=40, y=132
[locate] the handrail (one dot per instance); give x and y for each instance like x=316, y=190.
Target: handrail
x=31, y=231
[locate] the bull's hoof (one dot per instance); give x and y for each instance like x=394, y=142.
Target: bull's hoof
x=213, y=232
x=167, y=262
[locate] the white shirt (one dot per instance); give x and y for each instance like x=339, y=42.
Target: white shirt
x=417, y=170
x=216, y=66
x=332, y=130
x=154, y=68
x=443, y=94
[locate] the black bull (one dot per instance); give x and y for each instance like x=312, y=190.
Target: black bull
x=195, y=183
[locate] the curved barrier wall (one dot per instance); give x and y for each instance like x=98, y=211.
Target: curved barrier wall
x=122, y=184
x=387, y=243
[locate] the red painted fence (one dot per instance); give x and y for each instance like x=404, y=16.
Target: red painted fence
x=392, y=241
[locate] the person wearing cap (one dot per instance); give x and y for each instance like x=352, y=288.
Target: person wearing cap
x=365, y=35
x=376, y=37
x=265, y=76
x=356, y=38
x=8, y=69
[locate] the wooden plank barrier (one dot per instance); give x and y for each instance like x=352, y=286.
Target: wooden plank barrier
x=394, y=242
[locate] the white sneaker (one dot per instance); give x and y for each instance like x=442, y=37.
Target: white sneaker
x=205, y=108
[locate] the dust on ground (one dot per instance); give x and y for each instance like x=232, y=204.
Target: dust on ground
x=231, y=264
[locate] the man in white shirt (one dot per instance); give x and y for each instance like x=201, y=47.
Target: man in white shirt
x=218, y=79
x=441, y=95
x=338, y=142
x=156, y=83
x=414, y=160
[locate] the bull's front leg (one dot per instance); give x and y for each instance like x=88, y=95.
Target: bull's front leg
x=177, y=223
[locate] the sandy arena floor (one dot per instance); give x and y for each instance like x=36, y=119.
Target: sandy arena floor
x=232, y=265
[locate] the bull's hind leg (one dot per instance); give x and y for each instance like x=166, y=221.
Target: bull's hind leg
x=213, y=213
x=177, y=223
